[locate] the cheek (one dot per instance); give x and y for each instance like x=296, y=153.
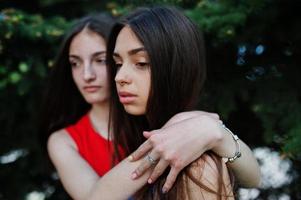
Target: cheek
x=102, y=73
x=76, y=76
x=147, y=86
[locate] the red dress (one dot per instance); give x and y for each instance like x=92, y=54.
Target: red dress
x=94, y=148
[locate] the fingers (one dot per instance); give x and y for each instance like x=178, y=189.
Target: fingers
x=147, y=134
x=145, y=165
x=170, y=180
x=158, y=171
x=141, y=151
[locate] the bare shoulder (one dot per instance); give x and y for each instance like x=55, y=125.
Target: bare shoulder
x=210, y=171
x=77, y=176
x=60, y=141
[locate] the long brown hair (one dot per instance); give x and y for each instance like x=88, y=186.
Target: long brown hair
x=177, y=59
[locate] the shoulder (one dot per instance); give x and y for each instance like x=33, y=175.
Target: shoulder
x=207, y=168
x=210, y=172
x=59, y=141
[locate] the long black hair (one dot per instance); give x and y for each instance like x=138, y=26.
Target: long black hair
x=177, y=59
x=176, y=51
x=63, y=104
x=175, y=48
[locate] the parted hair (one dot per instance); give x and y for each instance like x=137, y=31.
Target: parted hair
x=62, y=102
x=175, y=48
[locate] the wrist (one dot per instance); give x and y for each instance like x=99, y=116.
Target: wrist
x=235, y=138
x=225, y=146
x=218, y=139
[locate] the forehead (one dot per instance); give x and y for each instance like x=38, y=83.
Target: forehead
x=127, y=40
x=87, y=41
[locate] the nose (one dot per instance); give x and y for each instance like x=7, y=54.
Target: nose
x=89, y=72
x=122, y=76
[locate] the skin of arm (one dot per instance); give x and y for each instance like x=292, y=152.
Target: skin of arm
x=82, y=182
x=246, y=168
x=186, y=137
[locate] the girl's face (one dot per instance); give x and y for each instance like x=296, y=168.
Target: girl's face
x=87, y=55
x=133, y=78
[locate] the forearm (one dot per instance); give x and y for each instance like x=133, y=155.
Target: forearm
x=245, y=168
x=186, y=136
x=81, y=181
x=117, y=183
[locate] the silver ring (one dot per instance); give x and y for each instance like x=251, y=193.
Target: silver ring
x=151, y=160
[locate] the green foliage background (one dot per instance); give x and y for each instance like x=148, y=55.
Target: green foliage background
x=253, y=56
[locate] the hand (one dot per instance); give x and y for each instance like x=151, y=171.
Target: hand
x=183, y=139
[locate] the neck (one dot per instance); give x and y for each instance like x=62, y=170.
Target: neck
x=99, y=117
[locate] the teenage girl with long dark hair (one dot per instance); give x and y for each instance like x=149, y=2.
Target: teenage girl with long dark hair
x=156, y=57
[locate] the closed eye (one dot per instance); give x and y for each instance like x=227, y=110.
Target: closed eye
x=118, y=65
x=142, y=64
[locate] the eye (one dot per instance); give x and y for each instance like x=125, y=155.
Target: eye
x=101, y=61
x=142, y=65
x=73, y=63
x=118, y=65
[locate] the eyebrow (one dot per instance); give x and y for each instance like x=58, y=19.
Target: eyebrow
x=93, y=55
x=131, y=52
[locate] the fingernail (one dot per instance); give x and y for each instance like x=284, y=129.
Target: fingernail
x=164, y=190
x=134, y=175
x=149, y=181
x=130, y=158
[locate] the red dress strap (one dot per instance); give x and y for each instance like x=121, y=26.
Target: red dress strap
x=95, y=149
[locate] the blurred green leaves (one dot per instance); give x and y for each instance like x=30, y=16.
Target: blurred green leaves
x=23, y=38
x=264, y=105
x=28, y=44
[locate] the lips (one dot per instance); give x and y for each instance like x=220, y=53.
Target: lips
x=91, y=89
x=126, y=97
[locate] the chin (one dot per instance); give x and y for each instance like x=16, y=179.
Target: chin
x=96, y=100
x=134, y=110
